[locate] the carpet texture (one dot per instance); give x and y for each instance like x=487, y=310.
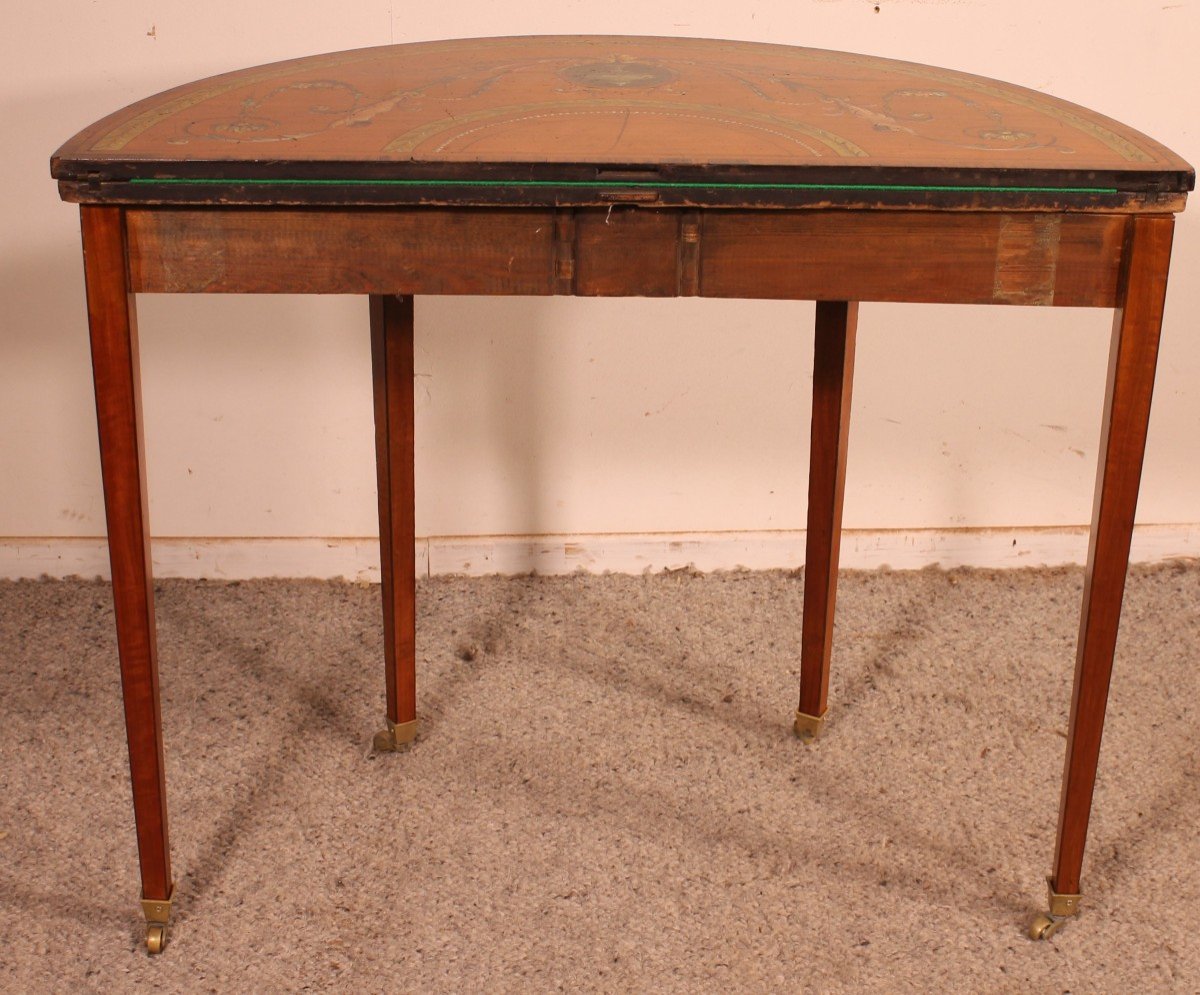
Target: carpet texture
x=607, y=795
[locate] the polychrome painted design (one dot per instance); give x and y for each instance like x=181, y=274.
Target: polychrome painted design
x=615, y=99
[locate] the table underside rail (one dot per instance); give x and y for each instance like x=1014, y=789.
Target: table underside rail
x=1071, y=260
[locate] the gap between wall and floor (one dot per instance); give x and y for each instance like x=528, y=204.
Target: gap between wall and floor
x=357, y=559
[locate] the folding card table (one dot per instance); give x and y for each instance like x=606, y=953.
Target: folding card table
x=619, y=166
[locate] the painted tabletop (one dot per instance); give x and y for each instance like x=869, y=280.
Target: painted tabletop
x=570, y=117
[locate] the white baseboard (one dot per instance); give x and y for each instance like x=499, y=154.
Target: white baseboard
x=358, y=559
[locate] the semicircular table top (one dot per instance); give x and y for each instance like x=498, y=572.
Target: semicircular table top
x=563, y=117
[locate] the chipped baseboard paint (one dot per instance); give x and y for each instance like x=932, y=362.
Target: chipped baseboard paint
x=357, y=559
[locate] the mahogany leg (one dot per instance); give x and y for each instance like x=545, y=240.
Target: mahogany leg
x=833, y=375
x=1132, y=359
x=392, y=364
x=113, y=323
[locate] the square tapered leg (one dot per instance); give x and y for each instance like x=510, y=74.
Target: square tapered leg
x=1133, y=357
x=392, y=365
x=833, y=375
x=112, y=321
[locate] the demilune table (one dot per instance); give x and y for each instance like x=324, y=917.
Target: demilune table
x=619, y=166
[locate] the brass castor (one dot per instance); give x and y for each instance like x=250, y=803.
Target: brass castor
x=1063, y=908
x=156, y=937
x=396, y=736
x=1045, y=925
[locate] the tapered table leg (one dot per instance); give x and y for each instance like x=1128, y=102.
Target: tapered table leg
x=1132, y=360
x=113, y=324
x=833, y=375
x=392, y=363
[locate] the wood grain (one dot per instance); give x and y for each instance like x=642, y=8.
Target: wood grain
x=115, y=367
x=1132, y=360
x=833, y=380
x=392, y=368
x=906, y=256
x=492, y=251
x=968, y=258
x=627, y=252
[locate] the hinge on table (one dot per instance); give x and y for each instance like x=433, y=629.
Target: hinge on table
x=630, y=196
x=92, y=181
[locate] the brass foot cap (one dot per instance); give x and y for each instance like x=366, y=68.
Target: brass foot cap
x=808, y=727
x=1061, y=904
x=158, y=910
x=396, y=736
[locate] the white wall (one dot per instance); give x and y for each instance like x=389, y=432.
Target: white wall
x=573, y=416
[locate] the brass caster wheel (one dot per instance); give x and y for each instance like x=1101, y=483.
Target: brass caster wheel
x=1045, y=926
x=156, y=937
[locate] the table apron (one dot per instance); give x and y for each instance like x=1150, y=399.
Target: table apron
x=1037, y=258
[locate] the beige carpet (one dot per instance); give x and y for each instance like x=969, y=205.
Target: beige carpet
x=607, y=795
